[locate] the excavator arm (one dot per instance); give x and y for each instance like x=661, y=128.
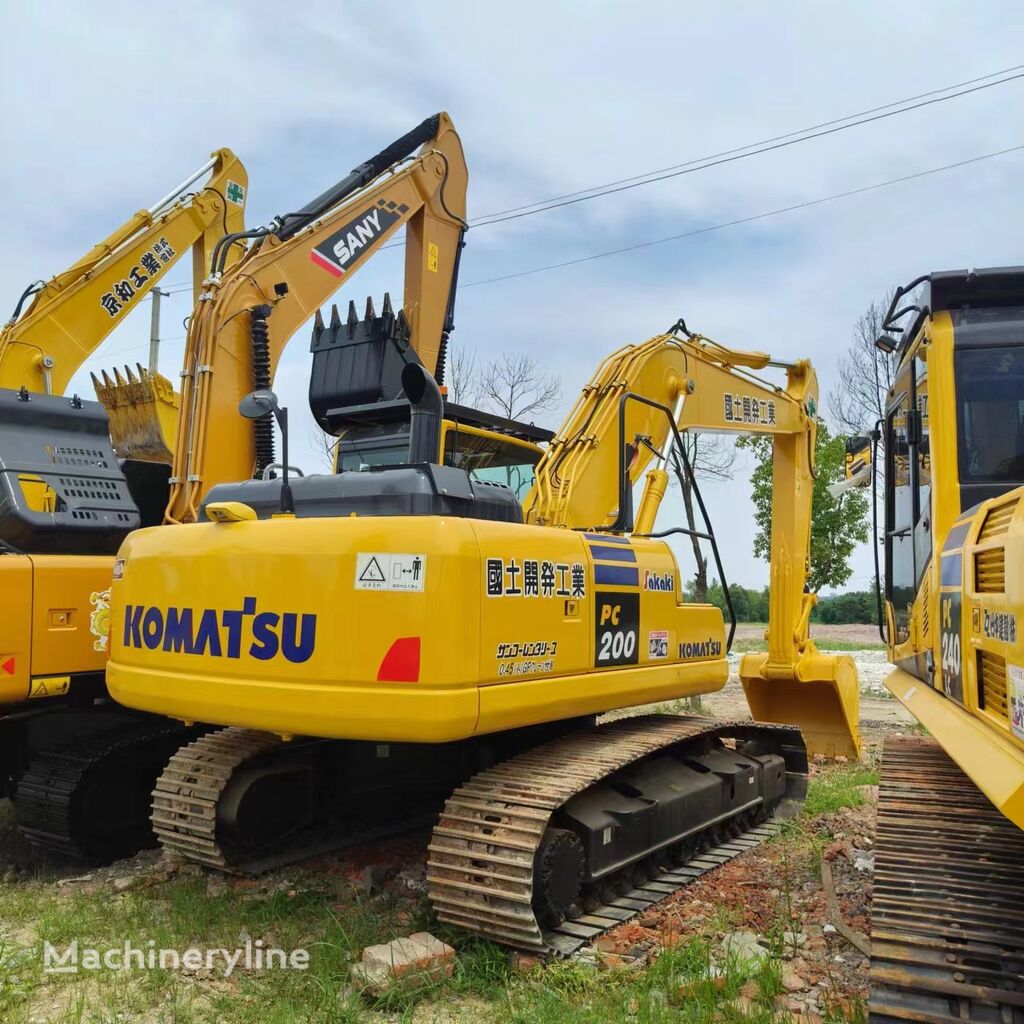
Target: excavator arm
x=631, y=412
x=246, y=315
x=68, y=317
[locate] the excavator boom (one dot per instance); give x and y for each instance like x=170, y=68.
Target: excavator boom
x=585, y=482
x=245, y=316
x=68, y=317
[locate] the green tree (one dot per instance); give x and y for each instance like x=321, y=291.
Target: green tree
x=838, y=525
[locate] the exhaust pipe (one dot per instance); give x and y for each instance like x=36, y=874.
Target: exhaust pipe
x=425, y=429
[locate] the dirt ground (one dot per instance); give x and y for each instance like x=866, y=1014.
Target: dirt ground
x=767, y=908
x=850, y=632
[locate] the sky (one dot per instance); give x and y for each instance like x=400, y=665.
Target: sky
x=108, y=107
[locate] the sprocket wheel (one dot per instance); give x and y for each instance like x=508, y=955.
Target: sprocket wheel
x=559, y=868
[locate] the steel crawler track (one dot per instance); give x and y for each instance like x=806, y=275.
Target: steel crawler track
x=185, y=799
x=55, y=799
x=480, y=873
x=947, y=917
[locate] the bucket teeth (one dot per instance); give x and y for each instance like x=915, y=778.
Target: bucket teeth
x=353, y=318
x=371, y=313
x=387, y=310
x=318, y=324
x=131, y=376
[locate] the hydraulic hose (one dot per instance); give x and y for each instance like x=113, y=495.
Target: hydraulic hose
x=291, y=223
x=263, y=428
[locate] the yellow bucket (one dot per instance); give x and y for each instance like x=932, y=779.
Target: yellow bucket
x=143, y=414
x=820, y=695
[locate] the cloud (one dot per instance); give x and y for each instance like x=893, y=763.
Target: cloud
x=112, y=107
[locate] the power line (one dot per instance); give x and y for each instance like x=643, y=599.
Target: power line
x=729, y=156
x=717, y=162
x=760, y=142
x=743, y=220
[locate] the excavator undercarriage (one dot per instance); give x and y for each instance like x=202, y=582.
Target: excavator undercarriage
x=541, y=849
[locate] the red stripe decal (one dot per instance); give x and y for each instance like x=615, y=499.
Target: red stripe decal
x=325, y=263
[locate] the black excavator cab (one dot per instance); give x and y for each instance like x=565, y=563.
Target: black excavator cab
x=61, y=487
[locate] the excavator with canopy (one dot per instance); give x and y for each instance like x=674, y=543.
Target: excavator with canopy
x=427, y=638
x=947, y=938
x=67, y=497
x=246, y=312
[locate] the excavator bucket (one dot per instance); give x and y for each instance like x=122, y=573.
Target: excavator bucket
x=143, y=413
x=821, y=696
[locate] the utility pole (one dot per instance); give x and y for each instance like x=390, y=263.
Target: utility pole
x=154, y=330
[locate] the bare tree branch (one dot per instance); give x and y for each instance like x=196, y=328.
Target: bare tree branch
x=709, y=455
x=462, y=376
x=324, y=446
x=515, y=387
x=865, y=375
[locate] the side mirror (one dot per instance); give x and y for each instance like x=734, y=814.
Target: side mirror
x=255, y=406
x=258, y=404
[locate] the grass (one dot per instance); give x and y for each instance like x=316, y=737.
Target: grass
x=836, y=787
x=684, y=984
x=322, y=912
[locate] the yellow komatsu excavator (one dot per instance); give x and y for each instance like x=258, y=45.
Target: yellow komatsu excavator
x=244, y=316
x=947, y=936
x=66, y=500
x=416, y=636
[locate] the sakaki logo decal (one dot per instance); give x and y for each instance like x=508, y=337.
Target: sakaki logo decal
x=660, y=581
x=338, y=252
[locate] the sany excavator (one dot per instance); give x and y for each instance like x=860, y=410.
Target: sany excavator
x=947, y=937
x=245, y=315
x=66, y=500
x=405, y=638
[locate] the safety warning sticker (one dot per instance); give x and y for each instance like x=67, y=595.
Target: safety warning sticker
x=657, y=643
x=1015, y=678
x=376, y=570
x=8, y=663
x=50, y=686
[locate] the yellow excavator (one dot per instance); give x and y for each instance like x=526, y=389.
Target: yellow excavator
x=428, y=637
x=947, y=939
x=66, y=499
x=70, y=799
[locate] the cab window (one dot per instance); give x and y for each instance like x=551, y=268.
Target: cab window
x=379, y=444
x=899, y=515
x=492, y=458
x=990, y=413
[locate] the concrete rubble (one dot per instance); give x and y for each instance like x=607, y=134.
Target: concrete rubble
x=413, y=961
